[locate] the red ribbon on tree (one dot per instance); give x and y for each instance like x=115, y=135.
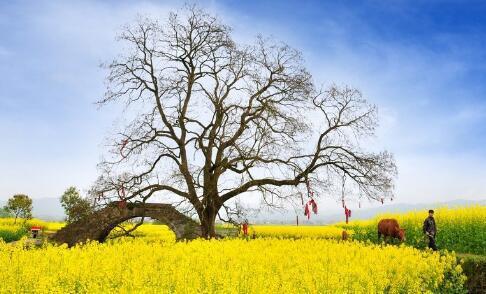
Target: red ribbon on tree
x=122, y=190
x=347, y=212
x=124, y=143
x=122, y=203
x=306, y=211
x=314, y=205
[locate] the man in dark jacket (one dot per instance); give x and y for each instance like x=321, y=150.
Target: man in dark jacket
x=430, y=230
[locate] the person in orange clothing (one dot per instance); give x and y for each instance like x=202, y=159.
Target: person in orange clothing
x=245, y=227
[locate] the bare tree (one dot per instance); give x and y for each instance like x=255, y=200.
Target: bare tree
x=213, y=120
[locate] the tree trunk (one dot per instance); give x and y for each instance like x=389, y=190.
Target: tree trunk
x=208, y=222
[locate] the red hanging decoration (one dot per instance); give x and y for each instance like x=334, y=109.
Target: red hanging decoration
x=121, y=194
x=306, y=211
x=122, y=204
x=310, y=193
x=314, y=206
x=312, y=203
x=124, y=143
x=347, y=213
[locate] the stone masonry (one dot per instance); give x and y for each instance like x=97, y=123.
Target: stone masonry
x=98, y=225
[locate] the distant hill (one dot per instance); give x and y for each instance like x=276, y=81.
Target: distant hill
x=48, y=209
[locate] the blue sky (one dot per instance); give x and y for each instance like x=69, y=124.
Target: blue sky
x=422, y=62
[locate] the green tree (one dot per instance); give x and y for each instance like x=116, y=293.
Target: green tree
x=4, y=213
x=20, y=205
x=75, y=206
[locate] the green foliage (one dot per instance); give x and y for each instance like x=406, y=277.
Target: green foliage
x=20, y=205
x=4, y=213
x=13, y=234
x=74, y=205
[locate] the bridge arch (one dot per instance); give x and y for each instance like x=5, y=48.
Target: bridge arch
x=98, y=225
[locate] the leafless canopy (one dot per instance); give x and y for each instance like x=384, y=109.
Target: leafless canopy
x=213, y=119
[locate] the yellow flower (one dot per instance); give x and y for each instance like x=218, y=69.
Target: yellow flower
x=222, y=266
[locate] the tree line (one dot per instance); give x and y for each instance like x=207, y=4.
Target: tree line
x=19, y=206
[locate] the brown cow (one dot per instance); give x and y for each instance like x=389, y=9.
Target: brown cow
x=390, y=228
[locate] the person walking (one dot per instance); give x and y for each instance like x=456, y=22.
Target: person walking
x=430, y=230
x=245, y=228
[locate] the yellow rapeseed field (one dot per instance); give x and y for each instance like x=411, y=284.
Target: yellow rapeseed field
x=226, y=266
x=149, y=232
x=287, y=231
x=46, y=225
x=11, y=230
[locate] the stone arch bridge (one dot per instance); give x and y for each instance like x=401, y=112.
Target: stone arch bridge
x=98, y=225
